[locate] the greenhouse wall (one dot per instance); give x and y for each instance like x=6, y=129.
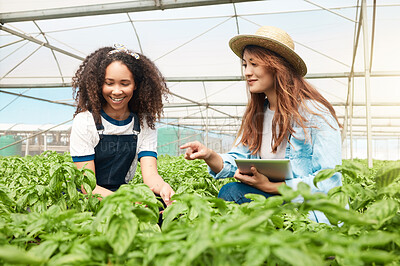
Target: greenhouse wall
x=12, y=150
x=170, y=138
x=383, y=148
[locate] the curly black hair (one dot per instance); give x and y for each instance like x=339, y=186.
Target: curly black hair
x=150, y=84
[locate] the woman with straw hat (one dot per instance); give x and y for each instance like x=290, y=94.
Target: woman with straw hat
x=285, y=118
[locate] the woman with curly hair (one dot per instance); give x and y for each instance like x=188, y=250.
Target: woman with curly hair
x=286, y=118
x=119, y=98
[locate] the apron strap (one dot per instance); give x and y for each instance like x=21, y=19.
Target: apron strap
x=136, y=124
x=135, y=130
x=100, y=130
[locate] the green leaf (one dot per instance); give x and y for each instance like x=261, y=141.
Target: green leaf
x=45, y=249
x=382, y=211
x=193, y=214
x=196, y=249
x=274, y=201
x=257, y=255
x=72, y=192
x=172, y=212
x=15, y=255
x=68, y=259
x=337, y=213
x=323, y=174
x=256, y=197
x=145, y=214
x=387, y=175
x=254, y=222
x=89, y=177
x=5, y=199
x=54, y=168
x=295, y=256
x=352, y=168
x=288, y=194
x=121, y=231
x=32, y=198
x=377, y=238
x=378, y=256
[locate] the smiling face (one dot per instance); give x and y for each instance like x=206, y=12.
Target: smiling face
x=117, y=90
x=258, y=78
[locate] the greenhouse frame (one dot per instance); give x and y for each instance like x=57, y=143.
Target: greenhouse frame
x=350, y=48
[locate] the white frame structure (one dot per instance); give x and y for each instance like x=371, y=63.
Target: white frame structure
x=361, y=27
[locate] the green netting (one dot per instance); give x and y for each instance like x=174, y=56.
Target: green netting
x=12, y=150
x=170, y=138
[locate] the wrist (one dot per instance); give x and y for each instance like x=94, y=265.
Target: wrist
x=209, y=154
x=271, y=187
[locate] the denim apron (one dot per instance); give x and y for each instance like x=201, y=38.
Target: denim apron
x=114, y=155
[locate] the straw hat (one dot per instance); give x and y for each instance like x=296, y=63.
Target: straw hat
x=273, y=39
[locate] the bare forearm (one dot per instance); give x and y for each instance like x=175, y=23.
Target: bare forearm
x=154, y=181
x=272, y=187
x=215, y=162
x=102, y=191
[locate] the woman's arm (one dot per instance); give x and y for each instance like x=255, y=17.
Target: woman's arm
x=98, y=189
x=259, y=181
x=325, y=150
x=220, y=165
x=196, y=150
x=148, y=165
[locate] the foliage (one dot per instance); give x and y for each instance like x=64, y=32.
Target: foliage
x=45, y=220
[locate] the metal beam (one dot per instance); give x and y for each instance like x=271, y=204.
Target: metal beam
x=240, y=104
x=367, y=81
x=239, y=117
x=36, y=98
x=396, y=133
x=108, y=8
x=29, y=38
x=373, y=117
x=377, y=125
x=185, y=122
x=330, y=10
x=200, y=117
x=200, y=104
x=195, y=79
x=196, y=104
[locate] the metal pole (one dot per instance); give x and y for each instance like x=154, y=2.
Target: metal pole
x=207, y=126
x=207, y=122
x=346, y=122
x=367, y=81
x=351, y=119
x=27, y=146
x=45, y=142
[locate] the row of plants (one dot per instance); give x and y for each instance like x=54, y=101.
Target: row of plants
x=45, y=220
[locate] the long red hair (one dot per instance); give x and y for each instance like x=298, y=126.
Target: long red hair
x=292, y=91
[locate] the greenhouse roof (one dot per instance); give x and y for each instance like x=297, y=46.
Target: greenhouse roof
x=43, y=43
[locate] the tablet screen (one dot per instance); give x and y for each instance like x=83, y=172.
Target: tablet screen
x=277, y=170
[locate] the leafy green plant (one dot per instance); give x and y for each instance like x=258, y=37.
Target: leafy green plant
x=46, y=220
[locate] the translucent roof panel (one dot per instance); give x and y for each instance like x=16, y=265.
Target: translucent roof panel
x=190, y=46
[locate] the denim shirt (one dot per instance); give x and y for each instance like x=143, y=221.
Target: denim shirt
x=319, y=148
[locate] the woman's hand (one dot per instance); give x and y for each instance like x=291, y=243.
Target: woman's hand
x=258, y=181
x=166, y=192
x=196, y=150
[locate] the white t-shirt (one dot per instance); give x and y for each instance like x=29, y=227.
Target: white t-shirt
x=266, y=150
x=84, y=138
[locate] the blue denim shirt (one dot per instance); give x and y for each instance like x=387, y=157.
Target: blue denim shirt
x=319, y=148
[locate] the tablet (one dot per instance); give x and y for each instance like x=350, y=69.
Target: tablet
x=277, y=170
